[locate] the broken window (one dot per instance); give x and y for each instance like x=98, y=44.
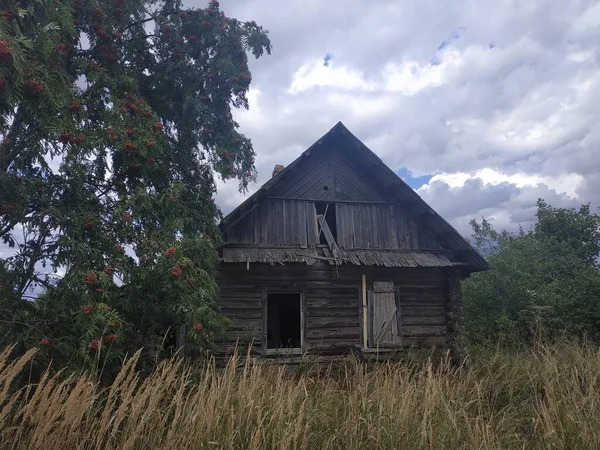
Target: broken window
x=284, y=322
x=327, y=210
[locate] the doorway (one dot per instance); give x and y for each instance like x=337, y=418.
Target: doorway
x=284, y=321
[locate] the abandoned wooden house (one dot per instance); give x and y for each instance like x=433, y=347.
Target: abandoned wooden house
x=336, y=253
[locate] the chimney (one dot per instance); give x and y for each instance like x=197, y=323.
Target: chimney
x=278, y=168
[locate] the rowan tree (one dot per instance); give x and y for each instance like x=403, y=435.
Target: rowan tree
x=115, y=116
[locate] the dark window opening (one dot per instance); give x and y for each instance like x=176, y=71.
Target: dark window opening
x=329, y=213
x=283, y=321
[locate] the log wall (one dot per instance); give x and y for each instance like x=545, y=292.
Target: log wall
x=333, y=303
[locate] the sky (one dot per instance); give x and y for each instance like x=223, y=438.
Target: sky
x=482, y=107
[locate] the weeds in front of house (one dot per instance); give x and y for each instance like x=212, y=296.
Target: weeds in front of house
x=546, y=398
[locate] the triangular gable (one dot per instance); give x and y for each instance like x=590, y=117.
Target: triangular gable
x=382, y=180
x=327, y=175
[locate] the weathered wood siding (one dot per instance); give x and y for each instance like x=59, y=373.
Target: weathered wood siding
x=333, y=302
x=376, y=226
x=327, y=177
x=349, y=184
x=364, y=218
x=291, y=223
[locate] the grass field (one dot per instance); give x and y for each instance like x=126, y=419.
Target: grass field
x=546, y=398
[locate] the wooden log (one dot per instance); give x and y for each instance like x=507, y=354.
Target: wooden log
x=422, y=311
x=424, y=331
x=423, y=320
x=315, y=323
x=338, y=333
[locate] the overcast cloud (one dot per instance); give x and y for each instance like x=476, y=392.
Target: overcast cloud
x=495, y=103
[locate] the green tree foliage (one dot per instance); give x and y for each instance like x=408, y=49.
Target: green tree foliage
x=114, y=117
x=545, y=280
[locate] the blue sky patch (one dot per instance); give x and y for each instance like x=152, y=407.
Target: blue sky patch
x=453, y=37
x=413, y=182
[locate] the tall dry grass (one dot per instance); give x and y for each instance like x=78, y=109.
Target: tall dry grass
x=548, y=398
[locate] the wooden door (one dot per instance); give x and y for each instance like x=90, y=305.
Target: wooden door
x=385, y=315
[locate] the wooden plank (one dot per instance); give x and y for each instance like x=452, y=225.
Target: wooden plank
x=271, y=222
x=385, y=329
x=393, y=232
x=399, y=315
x=264, y=320
x=286, y=221
x=257, y=220
x=312, y=226
x=370, y=297
x=302, y=178
x=302, y=224
x=424, y=320
x=365, y=225
x=331, y=162
x=422, y=311
x=356, y=186
x=383, y=286
x=401, y=229
x=423, y=331
x=278, y=222
x=331, y=322
x=346, y=219
x=347, y=202
x=328, y=236
x=374, y=228
x=343, y=334
x=247, y=229
x=309, y=180
x=303, y=318
x=340, y=225
x=328, y=303
x=264, y=222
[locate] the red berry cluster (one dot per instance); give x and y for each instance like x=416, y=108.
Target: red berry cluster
x=197, y=327
x=87, y=309
x=5, y=50
x=169, y=251
x=129, y=147
x=45, y=341
x=6, y=208
x=34, y=87
x=94, y=344
x=66, y=138
x=111, y=338
x=61, y=47
x=176, y=271
x=91, y=278
x=109, y=270
x=102, y=34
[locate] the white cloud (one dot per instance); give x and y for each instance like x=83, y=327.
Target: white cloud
x=564, y=184
x=315, y=74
